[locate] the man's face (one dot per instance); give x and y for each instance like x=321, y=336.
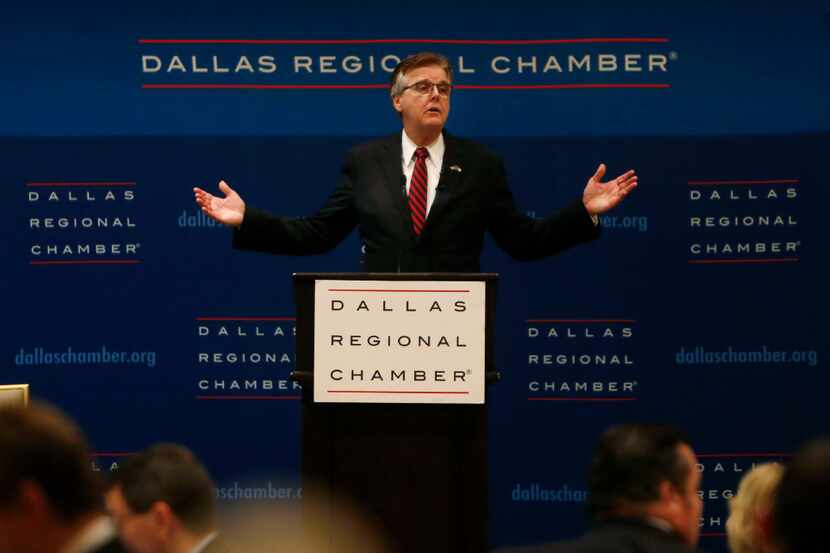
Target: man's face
x=139, y=532
x=689, y=504
x=427, y=111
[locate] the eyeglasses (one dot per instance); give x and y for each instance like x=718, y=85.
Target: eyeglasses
x=426, y=86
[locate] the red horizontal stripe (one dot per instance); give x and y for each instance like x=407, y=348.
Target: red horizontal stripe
x=267, y=398
x=246, y=318
x=264, y=86
x=737, y=261
x=538, y=398
x=82, y=183
x=744, y=454
x=195, y=86
x=88, y=262
x=393, y=392
x=389, y=290
x=554, y=86
x=585, y=321
x=598, y=40
x=757, y=181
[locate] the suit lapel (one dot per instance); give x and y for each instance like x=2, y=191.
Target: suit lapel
x=390, y=162
x=452, y=171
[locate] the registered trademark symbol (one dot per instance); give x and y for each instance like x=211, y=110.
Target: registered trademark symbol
x=469, y=371
x=673, y=56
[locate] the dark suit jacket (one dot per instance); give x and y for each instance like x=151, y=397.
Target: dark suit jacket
x=112, y=546
x=615, y=536
x=370, y=194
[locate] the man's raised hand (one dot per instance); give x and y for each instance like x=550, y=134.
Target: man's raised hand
x=600, y=197
x=229, y=210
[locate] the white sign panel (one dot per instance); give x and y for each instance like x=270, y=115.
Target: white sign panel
x=399, y=341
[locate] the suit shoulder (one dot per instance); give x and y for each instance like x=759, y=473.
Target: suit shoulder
x=112, y=546
x=372, y=146
x=549, y=547
x=473, y=149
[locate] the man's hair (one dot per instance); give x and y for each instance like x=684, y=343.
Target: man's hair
x=172, y=474
x=398, y=80
x=41, y=445
x=755, y=495
x=800, y=507
x=629, y=463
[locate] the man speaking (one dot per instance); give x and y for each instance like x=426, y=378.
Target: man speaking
x=422, y=199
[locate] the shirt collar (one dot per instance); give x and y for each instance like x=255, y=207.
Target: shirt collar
x=436, y=149
x=204, y=542
x=95, y=534
x=660, y=524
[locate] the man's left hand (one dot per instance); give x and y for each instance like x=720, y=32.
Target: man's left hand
x=600, y=197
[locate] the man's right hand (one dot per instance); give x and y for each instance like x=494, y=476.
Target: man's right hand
x=229, y=210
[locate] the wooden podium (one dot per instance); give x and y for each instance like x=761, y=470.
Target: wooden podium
x=399, y=424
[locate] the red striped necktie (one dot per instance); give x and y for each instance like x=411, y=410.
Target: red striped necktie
x=418, y=191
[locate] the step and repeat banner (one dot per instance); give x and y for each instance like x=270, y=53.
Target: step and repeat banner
x=701, y=305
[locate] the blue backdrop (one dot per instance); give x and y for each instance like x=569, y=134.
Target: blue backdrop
x=701, y=305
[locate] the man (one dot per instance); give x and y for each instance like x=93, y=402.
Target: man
x=421, y=199
x=163, y=501
x=50, y=498
x=799, y=517
x=643, y=494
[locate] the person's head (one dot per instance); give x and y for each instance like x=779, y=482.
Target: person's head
x=420, y=88
x=799, y=513
x=750, y=509
x=47, y=485
x=642, y=471
x=162, y=500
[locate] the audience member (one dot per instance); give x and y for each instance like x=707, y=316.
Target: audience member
x=50, y=498
x=750, y=511
x=163, y=501
x=799, y=513
x=643, y=494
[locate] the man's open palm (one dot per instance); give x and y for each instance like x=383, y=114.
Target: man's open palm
x=229, y=210
x=600, y=197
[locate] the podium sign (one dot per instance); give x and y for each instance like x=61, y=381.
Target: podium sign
x=399, y=341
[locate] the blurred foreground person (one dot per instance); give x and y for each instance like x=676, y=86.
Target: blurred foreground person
x=643, y=494
x=163, y=501
x=50, y=498
x=334, y=526
x=750, y=511
x=799, y=513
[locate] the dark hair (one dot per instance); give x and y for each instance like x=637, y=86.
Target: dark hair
x=40, y=444
x=629, y=463
x=421, y=59
x=172, y=474
x=800, y=505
